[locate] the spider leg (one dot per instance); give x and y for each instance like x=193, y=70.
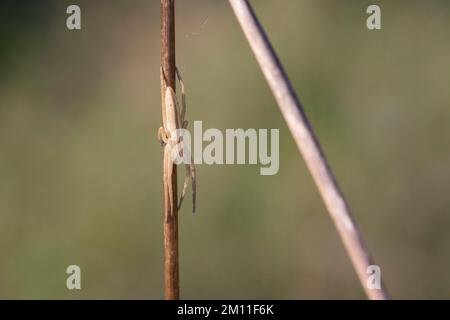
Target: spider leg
x=194, y=184
x=185, y=186
x=190, y=168
x=163, y=85
x=168, y=166
x=190, y=175
x=183, y=98
x=184, y=153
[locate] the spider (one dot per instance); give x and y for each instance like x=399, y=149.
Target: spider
x=170, y=138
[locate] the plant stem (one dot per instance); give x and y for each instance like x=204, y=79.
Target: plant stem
x=307, y=142
x=171, y=272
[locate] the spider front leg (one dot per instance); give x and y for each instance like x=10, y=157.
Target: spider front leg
x=182, y=112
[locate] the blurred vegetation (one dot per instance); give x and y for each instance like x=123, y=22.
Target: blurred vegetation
x=81, y=169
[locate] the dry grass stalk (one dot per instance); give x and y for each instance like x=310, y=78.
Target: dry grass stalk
x=306, y=140
x=171, y=265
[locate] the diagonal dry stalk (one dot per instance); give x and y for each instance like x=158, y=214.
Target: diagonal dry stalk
x=171, y=271
x=307, y=143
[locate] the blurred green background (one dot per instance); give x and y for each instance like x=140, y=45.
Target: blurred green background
x=81, y=168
